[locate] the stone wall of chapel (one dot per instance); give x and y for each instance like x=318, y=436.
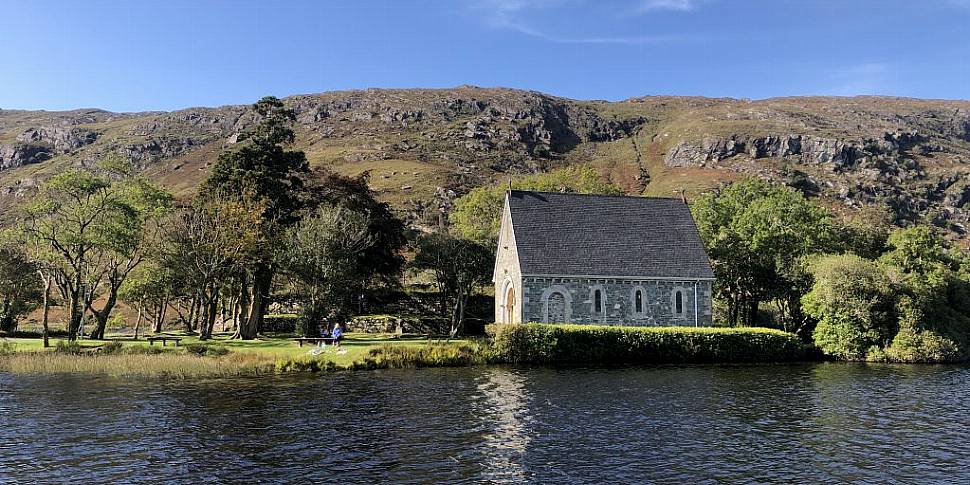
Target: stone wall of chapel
x=618, y=301
x=507, y=271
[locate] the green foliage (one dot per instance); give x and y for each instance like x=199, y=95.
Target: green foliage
x=459, y=266
x=112, y=347
x=262, y=174
x=88, y=229
x=70, y=347
x=866, y=232
x=595, y=344
x=261, y=169
x=434, y=355
x=280, y=323
x=322, y=256
x=20, y=289
x=203, y=350
x=933, y=301
x=382, y=260
x=304, y=365
x=150, y=285
x=755, y=234
x=7, y=347
x=852, y=299
x=911, y=305
x=478, y=214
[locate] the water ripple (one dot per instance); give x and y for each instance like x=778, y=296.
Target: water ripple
x=822, y=423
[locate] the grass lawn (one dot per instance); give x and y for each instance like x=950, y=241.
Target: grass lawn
x=246, y=356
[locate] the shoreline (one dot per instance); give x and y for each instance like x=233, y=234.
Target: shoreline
x=555, y=346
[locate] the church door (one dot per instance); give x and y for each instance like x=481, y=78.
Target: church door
x=510, y=306
x=556, y=308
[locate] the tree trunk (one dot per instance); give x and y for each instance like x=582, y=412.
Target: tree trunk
x=457, y=316
x=102, y=316
x=160, y=318
x=262, y=282
x=242, y=308
x=138, y=321
x=74, y=322
x=47, y=308
x=752, y=312
x=190, y=321
x=210, y=323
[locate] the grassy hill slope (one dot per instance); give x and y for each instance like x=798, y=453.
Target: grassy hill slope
x=424, y=147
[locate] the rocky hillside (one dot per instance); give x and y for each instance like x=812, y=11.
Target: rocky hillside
x=425, y=147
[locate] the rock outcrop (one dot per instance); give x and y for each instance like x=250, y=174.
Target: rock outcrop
x=429, y=146
x=807, y=149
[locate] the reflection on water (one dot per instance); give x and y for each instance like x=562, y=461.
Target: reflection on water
x=506, y=405
x=819, y=423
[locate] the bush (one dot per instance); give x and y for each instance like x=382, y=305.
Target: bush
x=434, y=355
x=282, y=323
x=117, y=321
x=7, y=347
x=206, y=350
x=304, y=365
x=68, y=347
x=592, y=344
x=853, y=300
x=112, y=347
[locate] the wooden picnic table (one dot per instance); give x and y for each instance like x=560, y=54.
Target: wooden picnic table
x=314, y=340
x=163, y=339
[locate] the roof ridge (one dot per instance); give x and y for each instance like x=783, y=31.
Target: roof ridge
x=617, y=196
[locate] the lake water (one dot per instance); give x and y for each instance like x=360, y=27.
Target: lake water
x=807, y=423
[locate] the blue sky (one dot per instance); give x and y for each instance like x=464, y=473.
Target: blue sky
x=171, y=54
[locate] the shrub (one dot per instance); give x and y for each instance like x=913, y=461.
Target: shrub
x=281, y=323
x=548, y=344
x=7, y=347
x=117, y=321
x=304, y=365
x=112, y=347
x=68, y=347
x=206, y=350
x=852, y=298
x=433, y=355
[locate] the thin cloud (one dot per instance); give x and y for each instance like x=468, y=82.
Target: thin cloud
x=681, y=5
x=864, y=79
x=509, y=15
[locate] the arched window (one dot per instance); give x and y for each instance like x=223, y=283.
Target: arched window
x=679, y=302
x=638, y=301
x=597, y=301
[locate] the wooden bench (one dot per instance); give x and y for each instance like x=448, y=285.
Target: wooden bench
x=164, y=339
x=314, y=340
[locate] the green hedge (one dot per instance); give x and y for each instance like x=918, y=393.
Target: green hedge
x=535, y=343
x=280, y=323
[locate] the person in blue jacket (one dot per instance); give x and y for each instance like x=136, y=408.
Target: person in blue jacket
x=337, y=335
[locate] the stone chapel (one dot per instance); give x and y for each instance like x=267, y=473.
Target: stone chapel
x=600, y=259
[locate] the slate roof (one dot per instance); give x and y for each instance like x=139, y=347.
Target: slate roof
x=602, y=235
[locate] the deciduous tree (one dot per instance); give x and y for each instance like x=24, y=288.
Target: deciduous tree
x=20, y=289
x=322, y=257
x=459, y=267
x=755, y=234
x=478, y=214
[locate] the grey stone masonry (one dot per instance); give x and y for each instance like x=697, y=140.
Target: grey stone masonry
x=621, y=301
